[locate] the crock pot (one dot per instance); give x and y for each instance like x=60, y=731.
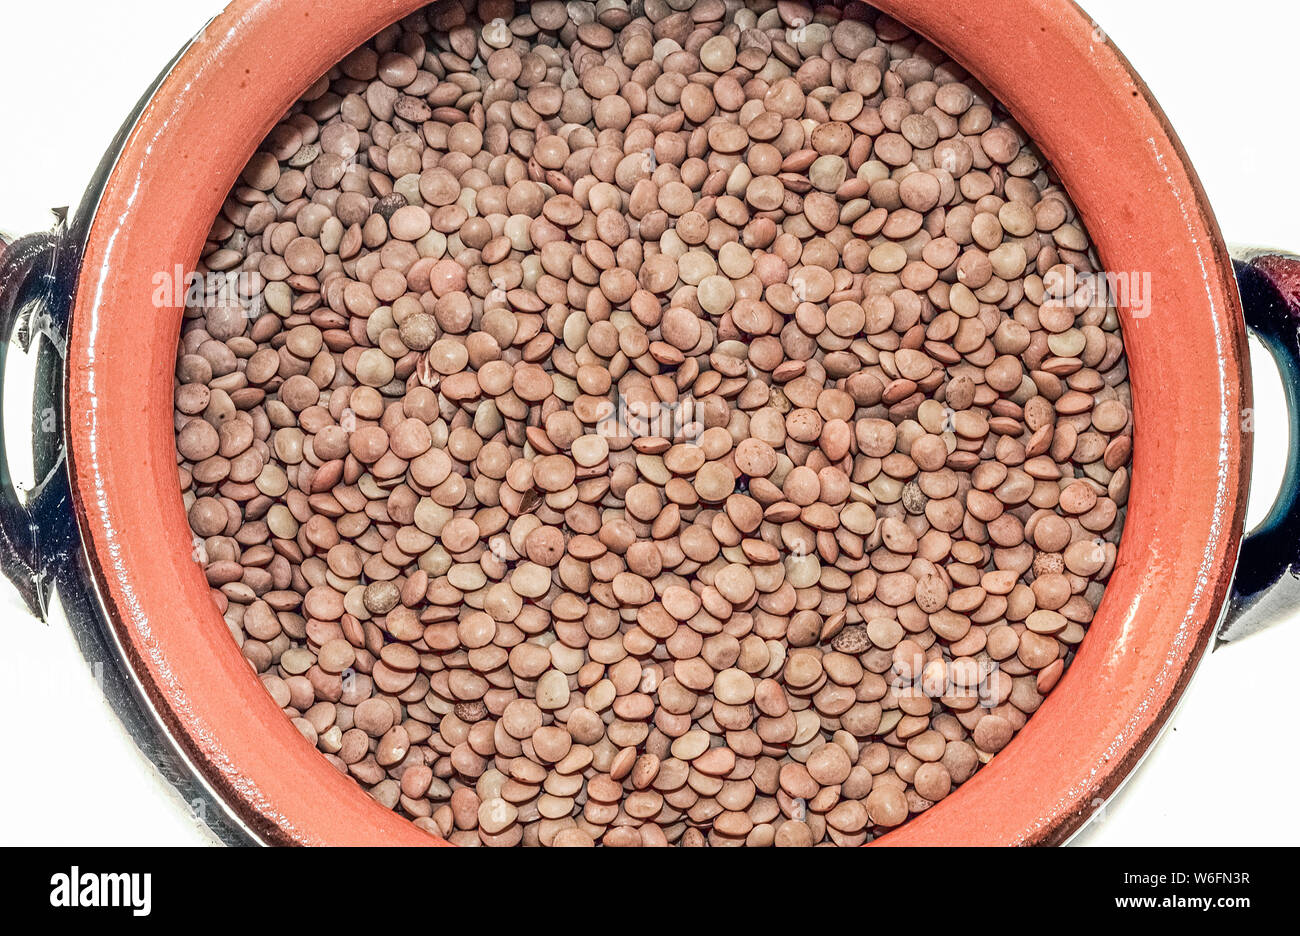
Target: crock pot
x=105, y=524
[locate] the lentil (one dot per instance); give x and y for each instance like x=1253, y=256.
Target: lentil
x=667, y=423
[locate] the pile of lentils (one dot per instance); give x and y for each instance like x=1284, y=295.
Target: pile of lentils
x=653, y=422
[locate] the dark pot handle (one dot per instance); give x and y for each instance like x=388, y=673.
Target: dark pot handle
x=35, y=526
x=1267, y=583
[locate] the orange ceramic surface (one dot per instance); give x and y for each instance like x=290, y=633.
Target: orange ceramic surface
x=1072, y=92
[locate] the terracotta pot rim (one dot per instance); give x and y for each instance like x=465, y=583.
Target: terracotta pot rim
x=1124, y=169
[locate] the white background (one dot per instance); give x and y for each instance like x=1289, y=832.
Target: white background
x=71, y=71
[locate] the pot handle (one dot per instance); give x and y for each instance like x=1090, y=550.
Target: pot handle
x=1266, y=586
x=35, y=522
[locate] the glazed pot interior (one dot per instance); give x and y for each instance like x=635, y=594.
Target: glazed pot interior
x=1072, y=93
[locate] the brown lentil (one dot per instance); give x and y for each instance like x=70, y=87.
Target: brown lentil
x=657, y=423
